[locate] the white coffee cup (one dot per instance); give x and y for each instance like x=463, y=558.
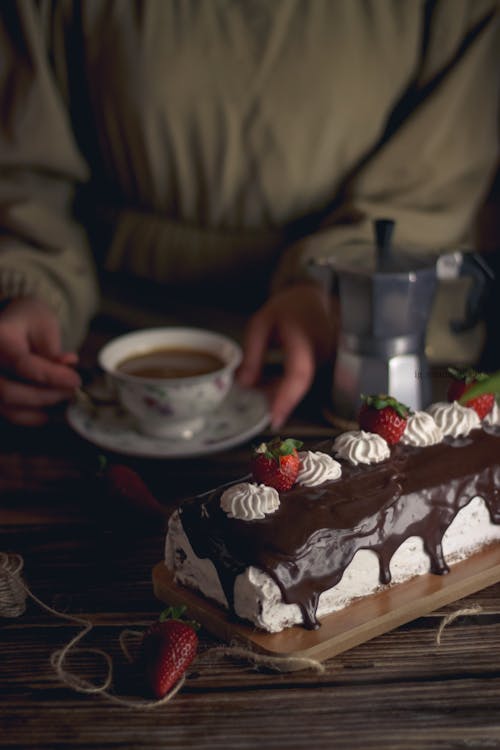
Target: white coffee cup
x=170, y=406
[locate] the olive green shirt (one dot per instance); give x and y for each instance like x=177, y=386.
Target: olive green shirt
x=213, y=143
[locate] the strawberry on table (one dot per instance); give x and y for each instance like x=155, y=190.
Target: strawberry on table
x=384, y=415
x=168, y=648
x=276, y=463
x=129, y=490
x=462, y=381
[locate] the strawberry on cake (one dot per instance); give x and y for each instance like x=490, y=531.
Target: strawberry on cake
x=409, y=493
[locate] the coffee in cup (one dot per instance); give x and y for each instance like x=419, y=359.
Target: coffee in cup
x=169, y=379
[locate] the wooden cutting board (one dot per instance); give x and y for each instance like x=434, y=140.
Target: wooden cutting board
x=364, y=619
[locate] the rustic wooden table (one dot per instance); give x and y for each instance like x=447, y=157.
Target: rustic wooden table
x=86, y=558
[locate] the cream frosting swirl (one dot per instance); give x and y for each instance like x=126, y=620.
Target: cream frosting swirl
x=421, y=430
x=492, y=419
x=360, y=447
x=317, y=467
x=248, y=502
x=454, y=419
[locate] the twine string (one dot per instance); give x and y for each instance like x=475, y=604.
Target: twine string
x=13, y=597
x=277, y=663
x=123, y=639
x=14, y=593
x=476, y=609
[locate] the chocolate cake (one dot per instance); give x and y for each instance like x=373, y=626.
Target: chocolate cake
x=411, y=510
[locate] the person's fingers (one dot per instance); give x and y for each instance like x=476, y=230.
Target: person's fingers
x=44, y=337
x=19, y=395
x=257, y=336
x=67, y=358
x=299, y=369
x=35, y=369
x=24, y=417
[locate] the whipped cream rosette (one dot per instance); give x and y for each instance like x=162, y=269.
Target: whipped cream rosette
x=316, y=468
x=493, y=418
x=453, y=419
x=421, y=430
x=360, y=447
x=248, y=502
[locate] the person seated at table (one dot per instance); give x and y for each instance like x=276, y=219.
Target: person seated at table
x=211, y=149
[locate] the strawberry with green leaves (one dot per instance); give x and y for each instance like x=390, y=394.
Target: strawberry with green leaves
x=276, y=463
x=168, y=648
x=461, y=384
x=383, y=415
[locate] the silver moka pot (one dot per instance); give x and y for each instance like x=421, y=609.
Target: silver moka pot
x=386, y=294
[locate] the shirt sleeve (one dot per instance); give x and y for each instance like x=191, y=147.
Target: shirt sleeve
x=43, y=248
x=432, y=165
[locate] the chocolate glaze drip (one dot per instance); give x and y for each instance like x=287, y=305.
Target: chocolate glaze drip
x=307, y=544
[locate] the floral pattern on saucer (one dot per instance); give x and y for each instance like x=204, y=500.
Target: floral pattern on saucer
x=244, y=414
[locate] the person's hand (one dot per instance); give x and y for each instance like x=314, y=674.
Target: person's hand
x=35, y=373
x=302, y=320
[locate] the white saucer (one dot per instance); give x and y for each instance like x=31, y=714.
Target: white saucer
x=244, y=414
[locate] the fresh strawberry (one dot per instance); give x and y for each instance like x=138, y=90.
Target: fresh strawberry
x=276, y=463
x=168, y=648
x=463, y=380
x=129, y=491
x=384, y=415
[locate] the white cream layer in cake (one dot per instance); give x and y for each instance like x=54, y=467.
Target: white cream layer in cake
x=257, y=598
